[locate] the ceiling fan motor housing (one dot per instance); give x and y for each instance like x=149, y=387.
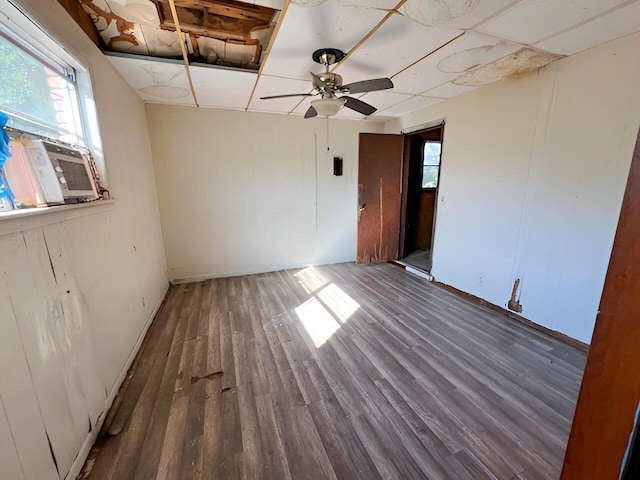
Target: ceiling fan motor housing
x=329, y=83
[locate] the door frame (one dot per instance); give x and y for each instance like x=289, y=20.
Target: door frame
x=406, y=158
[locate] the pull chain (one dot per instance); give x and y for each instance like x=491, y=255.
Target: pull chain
x=327, y=134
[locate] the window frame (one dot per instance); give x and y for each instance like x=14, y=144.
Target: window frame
x=430, y=189
x=21, y=26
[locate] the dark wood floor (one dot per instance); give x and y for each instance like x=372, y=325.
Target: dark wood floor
x=341, y=371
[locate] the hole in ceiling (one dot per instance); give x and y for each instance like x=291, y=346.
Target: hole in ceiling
x=219, y=32
x=517, y=63
x=437, y=12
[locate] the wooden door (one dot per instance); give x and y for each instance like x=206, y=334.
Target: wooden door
x=610, y=392
x=379, y=195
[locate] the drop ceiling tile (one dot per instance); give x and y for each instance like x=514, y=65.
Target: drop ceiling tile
x=462, y=14
x=551, y=17
x=340, y=24
x=468, y=51
x=384, y=99
x=448, y=90
x=277, y=86
x=222, y=88
x=155, y=82
x=395, y=45
x=601, y=30
x=408, y=106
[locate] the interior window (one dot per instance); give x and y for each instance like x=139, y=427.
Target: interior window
x=430, y=164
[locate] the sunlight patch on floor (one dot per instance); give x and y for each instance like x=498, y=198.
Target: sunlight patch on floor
x=324, y=313
x=342, y=305
x=311, y=279
x=317, y=320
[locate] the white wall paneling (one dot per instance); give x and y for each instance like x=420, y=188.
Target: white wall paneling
x=533, y=174
x=238, y=190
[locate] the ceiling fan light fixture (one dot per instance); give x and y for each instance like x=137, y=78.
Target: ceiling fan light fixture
x=327, y=107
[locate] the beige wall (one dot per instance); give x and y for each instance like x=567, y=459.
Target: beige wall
x=532, y=178
x=77, y=289
x=238, y=191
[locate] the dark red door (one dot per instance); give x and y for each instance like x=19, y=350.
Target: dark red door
x=379, y=196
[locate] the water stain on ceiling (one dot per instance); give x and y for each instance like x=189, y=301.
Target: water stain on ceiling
x=217, y=32
x=522, y=61
x=433, y=13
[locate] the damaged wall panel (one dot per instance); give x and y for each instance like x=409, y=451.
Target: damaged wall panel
x=32, y=291
x=29, y=438
x=534, y=170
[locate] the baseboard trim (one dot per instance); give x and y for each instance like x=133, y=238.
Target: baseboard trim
x=239, y=273
x=530, y=323
x=78, y=463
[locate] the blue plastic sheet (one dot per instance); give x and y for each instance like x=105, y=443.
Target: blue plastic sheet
x=5, y=191
x=4, y=140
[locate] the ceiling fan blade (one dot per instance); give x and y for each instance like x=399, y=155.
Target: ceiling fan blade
x=288, y=95
x=359, y=106
x=369, y=85
x=311, y=112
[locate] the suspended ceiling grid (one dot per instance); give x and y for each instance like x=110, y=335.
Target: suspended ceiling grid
x=432, y=49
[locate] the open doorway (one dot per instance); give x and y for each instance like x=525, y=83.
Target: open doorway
x=422, y=157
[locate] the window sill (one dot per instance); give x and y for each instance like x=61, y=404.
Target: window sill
x=18, y=220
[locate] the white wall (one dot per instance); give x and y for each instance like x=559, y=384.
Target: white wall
x=77, y=289
x=238, y=190
x=533, y=174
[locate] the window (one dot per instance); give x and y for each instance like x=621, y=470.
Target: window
x=39, y=96
x=46, y=93
x=431, y=164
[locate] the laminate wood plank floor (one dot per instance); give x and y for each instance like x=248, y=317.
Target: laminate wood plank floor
x=338, y=372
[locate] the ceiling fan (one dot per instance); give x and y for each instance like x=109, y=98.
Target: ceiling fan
x=328, y=85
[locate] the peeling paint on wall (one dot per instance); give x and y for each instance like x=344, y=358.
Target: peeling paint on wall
x=523, y=61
